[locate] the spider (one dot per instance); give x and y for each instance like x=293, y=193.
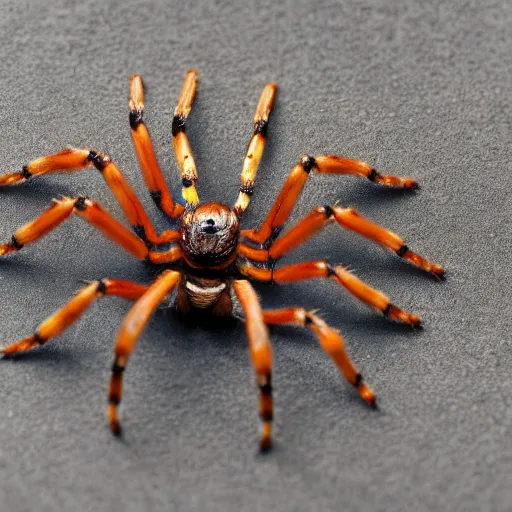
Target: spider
x=208, y=261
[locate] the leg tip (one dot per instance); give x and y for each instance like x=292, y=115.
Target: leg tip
x=438, y=272
x=412, y=185
x=418, y=325
x=265, y=445
x=115, y=428
x=367, y=395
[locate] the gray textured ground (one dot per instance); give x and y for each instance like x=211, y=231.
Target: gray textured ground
x=416, y=88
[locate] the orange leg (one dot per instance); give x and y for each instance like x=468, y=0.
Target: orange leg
x=180, y=140
x=360, y=290
x=73, y=310
x=346, y=218
x=95, y=215
x=297, y=178
x=255, y=148
x=146, y=154
x=130, y=331
x=330, y=340
x=73, y=159
x=261, y=354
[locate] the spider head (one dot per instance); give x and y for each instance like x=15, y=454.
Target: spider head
x=209, y=234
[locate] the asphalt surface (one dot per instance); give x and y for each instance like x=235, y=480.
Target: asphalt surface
x=416, y=89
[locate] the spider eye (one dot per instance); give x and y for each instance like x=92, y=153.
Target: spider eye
x=210, y=222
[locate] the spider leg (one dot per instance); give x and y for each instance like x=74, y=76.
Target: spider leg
x=296, y=180
x=145, y=153
x=348, y=219
x=180, y=140
x=72, y=311
x=132, y=327
x=330, y=340
x=261, y=354
x=322, y=269
x=95, y=215
x=73, y=159
x=255, y=148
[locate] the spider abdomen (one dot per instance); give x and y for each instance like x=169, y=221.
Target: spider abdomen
x=207, y=294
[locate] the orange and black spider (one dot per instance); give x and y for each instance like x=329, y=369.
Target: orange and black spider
x=208, y=260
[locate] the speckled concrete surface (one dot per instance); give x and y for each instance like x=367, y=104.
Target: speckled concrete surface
x=415, y=88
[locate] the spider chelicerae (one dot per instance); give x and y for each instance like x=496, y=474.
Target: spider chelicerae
x=209, y=261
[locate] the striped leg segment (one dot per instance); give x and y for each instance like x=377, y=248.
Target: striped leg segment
x=329, y=339
x=128, y=335
x=348, y=219
x=145, y=153
x=72, y=159
x=73, y=310
x=297, y=178
x=180, y=140
x=261, y=355
x=359, y=289
x=90, y=211
x=255, y=148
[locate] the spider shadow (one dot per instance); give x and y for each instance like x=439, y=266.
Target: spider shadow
x=65, y=357
x=184, y=329
x=38, y=191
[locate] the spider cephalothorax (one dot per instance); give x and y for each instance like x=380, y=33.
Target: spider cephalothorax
x=208, y=261
x=209, y=235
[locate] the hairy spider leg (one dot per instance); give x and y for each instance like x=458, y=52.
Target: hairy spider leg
x=255, y=148
x=330, y=340
x=180, y=140
x=296, y=180
x=73, y=159
x=261, y=355
x=94, y=214
x=73, y=310
x=348, y=219
x=131, y=329
x=146, y=154
x=340, y=274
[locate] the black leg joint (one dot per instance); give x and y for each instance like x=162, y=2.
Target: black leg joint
x=247, y=189
x=102, y=287
x=276, y=231
x=387, y=309
x=156, y=195
x=15, y=243
x=114, y=400
x=266, y=389
x=26, y=173
x=135, y=118
x=373, y=175
x=187, y=182
x=267, y=416
x=308, y=320
x=330, y=270
x=38, y=339
x=401, y=252
x=261, y=127
x=308, y=163
x=117, y=369
x=329, y=212
x=80, y=204
x=358, y=379
x=99, y=161
x=178, y=124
